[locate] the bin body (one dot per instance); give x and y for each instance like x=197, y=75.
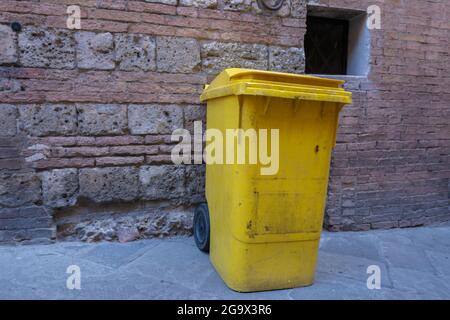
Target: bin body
x=265, y=229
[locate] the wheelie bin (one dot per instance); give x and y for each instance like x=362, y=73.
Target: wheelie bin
x=262, y=230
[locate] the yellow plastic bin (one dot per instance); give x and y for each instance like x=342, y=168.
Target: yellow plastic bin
x=265, y=228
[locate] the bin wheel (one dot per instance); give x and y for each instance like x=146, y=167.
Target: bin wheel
x=201, y=227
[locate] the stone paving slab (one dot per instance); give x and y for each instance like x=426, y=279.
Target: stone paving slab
x=414, y=264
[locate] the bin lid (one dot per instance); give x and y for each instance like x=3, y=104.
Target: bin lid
x=235, y=81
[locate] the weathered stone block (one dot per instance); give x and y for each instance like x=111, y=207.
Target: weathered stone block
x=127, y=234
x=8, y=46
x=91, y=231
x=195, y=183
x=131, y=223
x=102, y=119
x=237, y=5
x=109, y=184
x=154, y=119
x=18, y=189
x=50, y=48
x=284, y=11
x=290, y=60
x=217, y=56
x=166, y=224
x=48, y=119
x=135, y=52
x=95, y=50
x=199, y=3
x=8, y=120
x=193, y=113
x=298, y=8
x=176, y=54
x=161, y=182
x=10, y=85
x=60, y=187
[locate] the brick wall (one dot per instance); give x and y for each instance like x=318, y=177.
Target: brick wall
x=391, y=166
x=86, y=115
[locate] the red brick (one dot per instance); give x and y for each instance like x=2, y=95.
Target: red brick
x=33, y=7
x=64, y=163
x=165, y=149
x=118, y=140
x=117, y=161
x=112, y=4
x=12, y=163
x=159, y=159
x=64, y=152
x=157, y=139
x=64, y=141
x=140, y=6
x=134, y=150
x=187, y=11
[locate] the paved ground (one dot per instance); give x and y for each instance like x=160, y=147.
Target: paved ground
x=415, y=264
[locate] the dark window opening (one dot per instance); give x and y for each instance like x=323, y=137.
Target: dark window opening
x=326, y=45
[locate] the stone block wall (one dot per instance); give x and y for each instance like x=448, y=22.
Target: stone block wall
x=86, y=115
